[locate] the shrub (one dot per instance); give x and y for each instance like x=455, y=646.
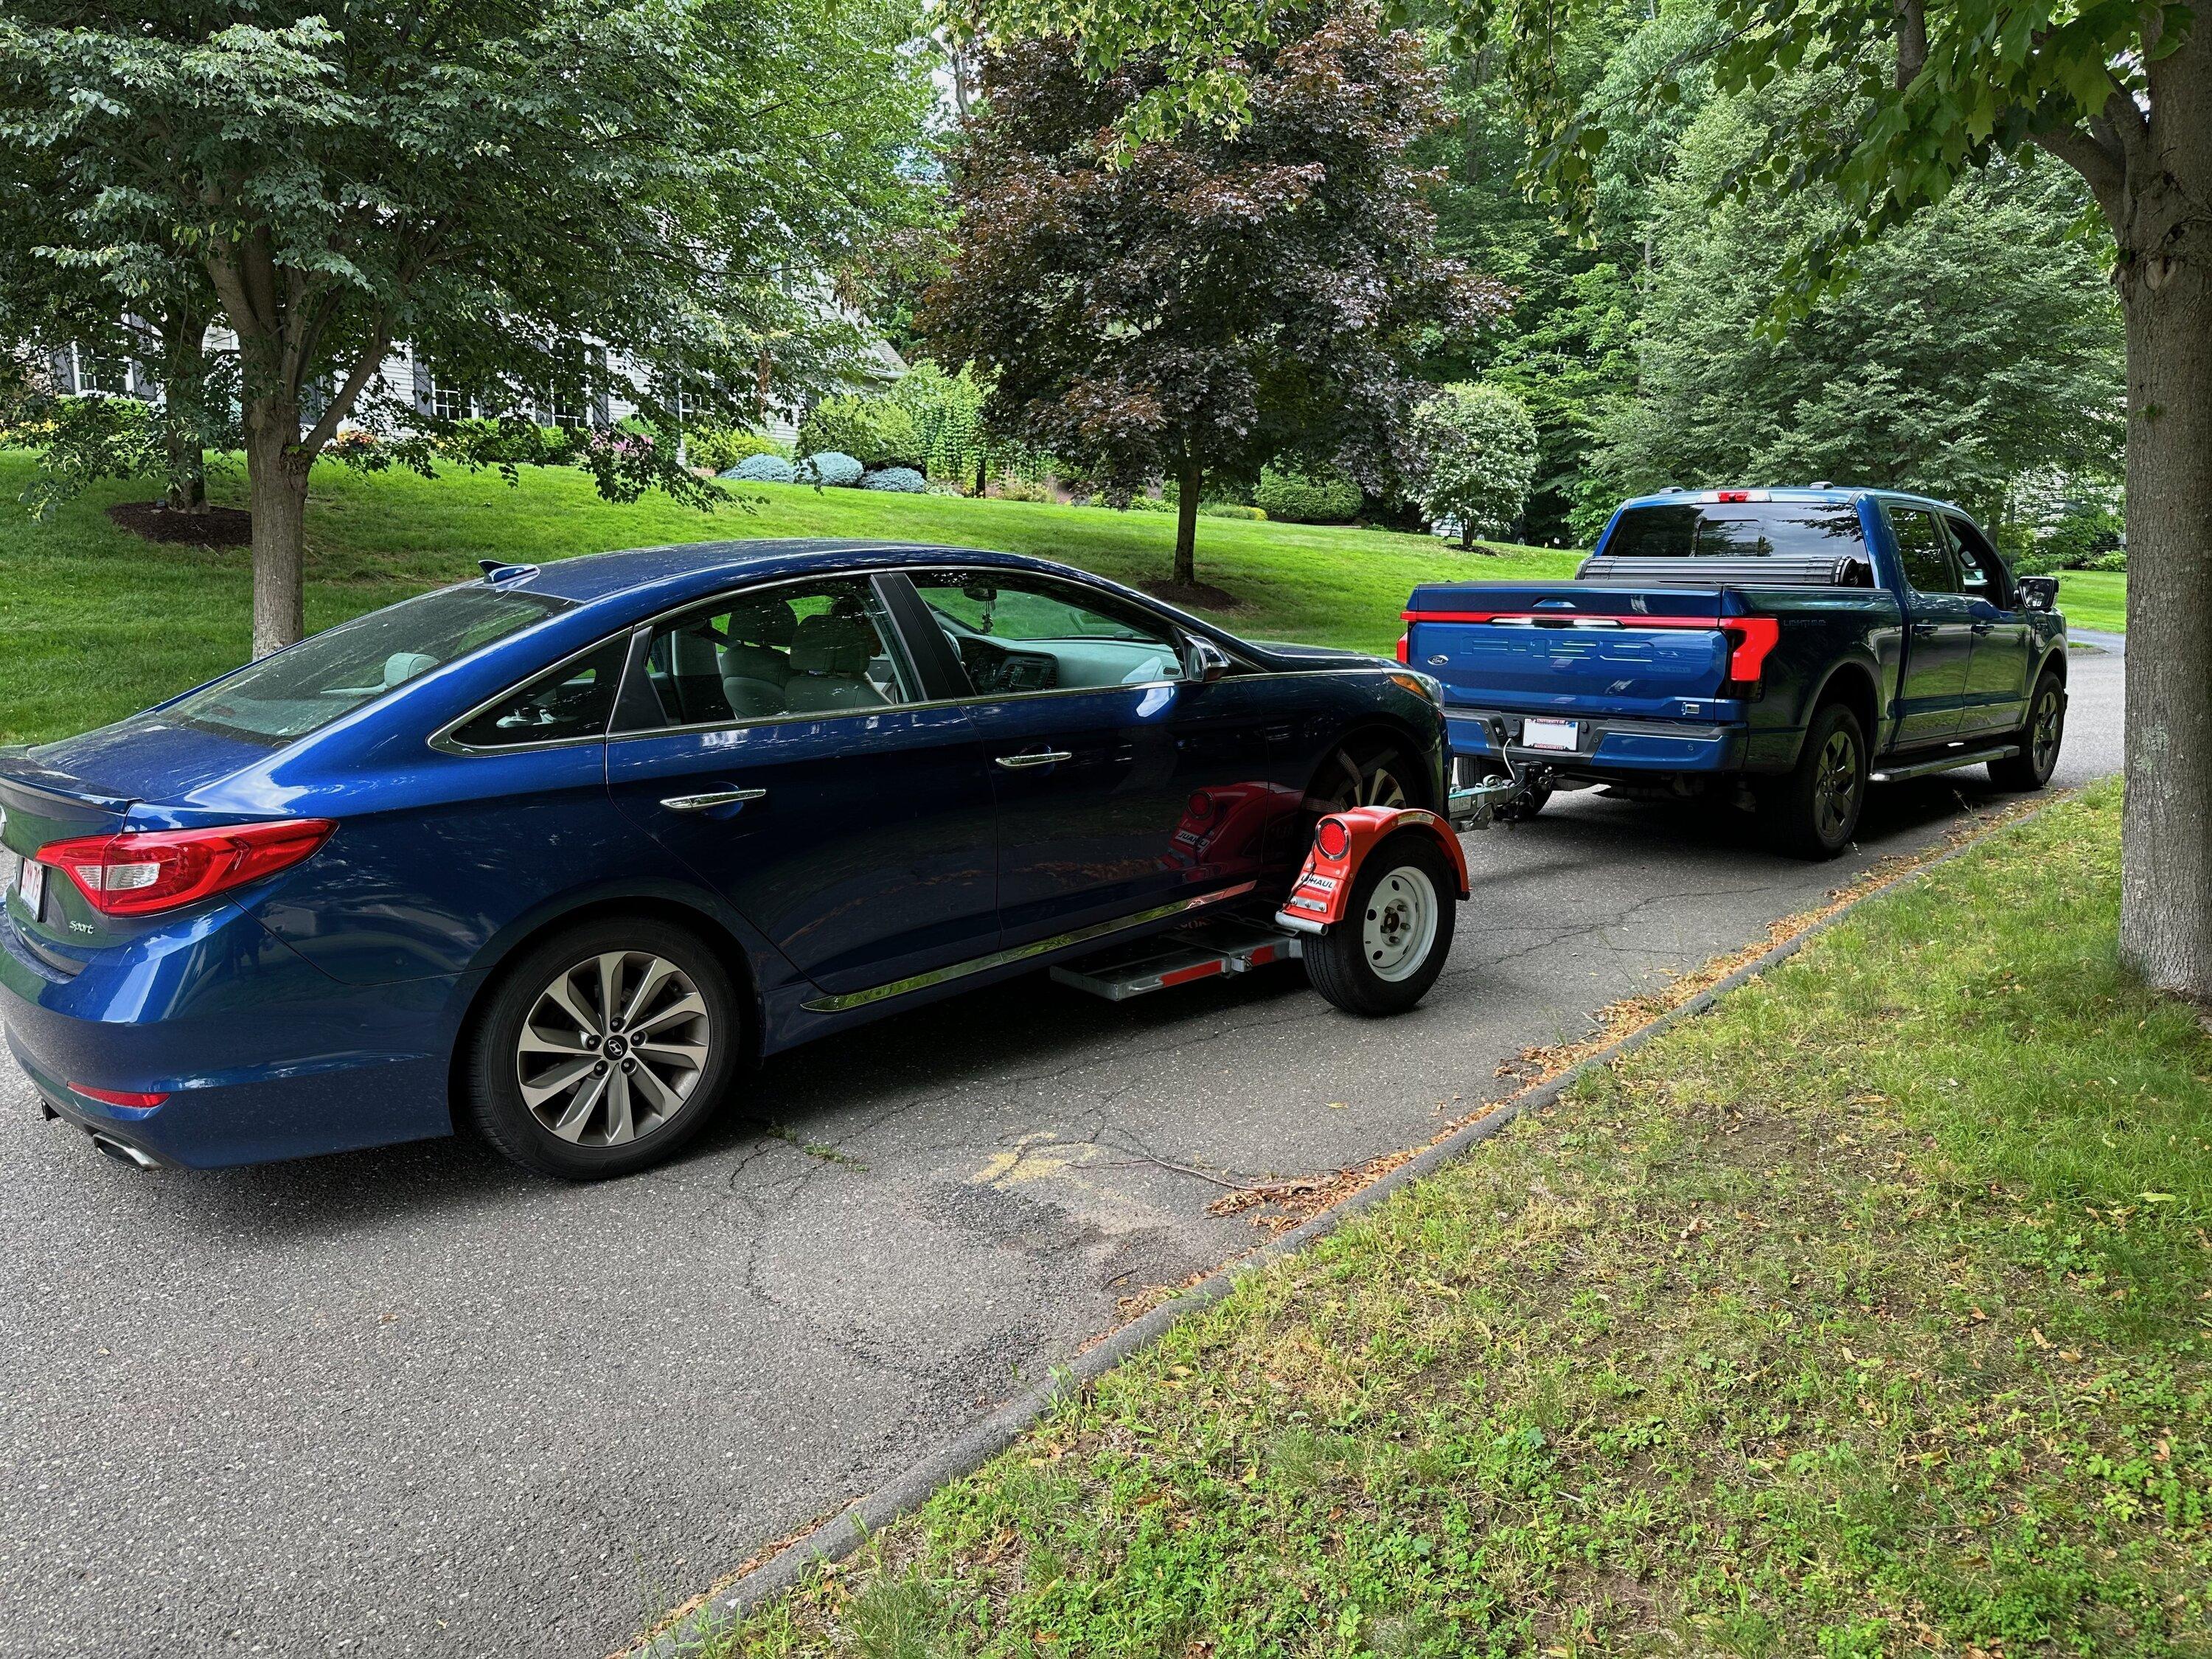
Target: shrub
x=1230, y=510
x=1302, y=498
x=875, y=430
x=832, y=468
x=719, y=448
x=2082, y=537
x=1476, y=449
x=903, y=480
x=763, y=469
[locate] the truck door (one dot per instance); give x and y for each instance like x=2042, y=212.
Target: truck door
x=1997, y=678
x=1939, y=629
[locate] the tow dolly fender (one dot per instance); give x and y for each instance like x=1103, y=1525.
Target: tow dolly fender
x=1341, y=841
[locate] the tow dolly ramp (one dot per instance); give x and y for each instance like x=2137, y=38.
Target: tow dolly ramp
x=1230, y=944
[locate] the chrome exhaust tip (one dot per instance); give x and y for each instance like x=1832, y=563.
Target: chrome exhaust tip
x=122, y=1152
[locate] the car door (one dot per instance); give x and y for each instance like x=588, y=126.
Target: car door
x=1123, y=782
x=779, y=741
x=1939, y=644
x=2004, y=659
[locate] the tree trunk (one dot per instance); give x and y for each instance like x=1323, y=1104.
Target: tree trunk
x=276, y=489
x=2165, y=289
x=187, y=489
x=1190, y=478
x=183, y=401
x=2166, y=880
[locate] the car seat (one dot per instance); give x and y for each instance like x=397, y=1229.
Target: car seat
x=830, y=658
x=754, y=669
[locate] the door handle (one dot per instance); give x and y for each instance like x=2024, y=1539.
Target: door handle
x=1043, y=757
x=1982, y=626
x=1921, y=631
x=719, y=798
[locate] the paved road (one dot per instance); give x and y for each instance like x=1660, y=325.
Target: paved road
x=412, y=1403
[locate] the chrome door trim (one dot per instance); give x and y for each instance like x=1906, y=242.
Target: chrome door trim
x=1047, y=757
x=838, y=1005
x=718, y=797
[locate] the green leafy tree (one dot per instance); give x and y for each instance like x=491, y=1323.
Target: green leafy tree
x=1194, y=309
x=1474, y=459
x=498, y=184
x=1978, y=343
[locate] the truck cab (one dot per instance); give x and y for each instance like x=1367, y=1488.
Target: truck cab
x=1780, y=647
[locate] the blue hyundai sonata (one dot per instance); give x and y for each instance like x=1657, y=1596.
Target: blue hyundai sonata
x=555, y=852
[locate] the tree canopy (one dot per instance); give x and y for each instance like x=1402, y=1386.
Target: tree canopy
x=1198, y=308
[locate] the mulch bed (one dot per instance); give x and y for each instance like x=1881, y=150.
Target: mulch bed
x=218, y=526
x=1194, y=596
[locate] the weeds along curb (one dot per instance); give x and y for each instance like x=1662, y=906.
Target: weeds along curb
x=845, y=1532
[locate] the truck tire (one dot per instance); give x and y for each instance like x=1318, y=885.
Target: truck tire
x=1812, y=812
x=2038, y=739
x=1396, y=932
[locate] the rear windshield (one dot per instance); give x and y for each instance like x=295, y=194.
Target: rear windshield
x=1705, y=530
x=295, y=692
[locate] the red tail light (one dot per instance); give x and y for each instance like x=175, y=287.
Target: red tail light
x=141, y=874
x=131, y=1099
x=1403, y=647
x=1750, y=639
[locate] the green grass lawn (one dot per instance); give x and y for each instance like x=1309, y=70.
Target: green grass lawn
x=2094, y=598
x=95, y=622
x=1870, y=1313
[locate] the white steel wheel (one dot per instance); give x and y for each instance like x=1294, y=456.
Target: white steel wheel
x=612, y=1048
x=1399, y=928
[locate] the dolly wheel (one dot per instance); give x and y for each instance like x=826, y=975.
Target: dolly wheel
x=1397, y=929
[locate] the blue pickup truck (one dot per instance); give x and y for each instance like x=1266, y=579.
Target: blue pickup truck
x=1778, y=649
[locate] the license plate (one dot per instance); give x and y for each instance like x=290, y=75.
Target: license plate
x=31, y=884
x=1550, y=735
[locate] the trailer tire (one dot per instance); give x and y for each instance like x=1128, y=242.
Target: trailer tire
x=1812, y=811
x=1397, y=929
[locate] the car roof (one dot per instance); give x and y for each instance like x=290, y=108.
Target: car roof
x=672, y=575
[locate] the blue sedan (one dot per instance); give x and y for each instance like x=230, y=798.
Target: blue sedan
x=557, y=852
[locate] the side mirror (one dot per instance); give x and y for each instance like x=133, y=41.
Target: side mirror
x=1202, y=660
x=2039, y=593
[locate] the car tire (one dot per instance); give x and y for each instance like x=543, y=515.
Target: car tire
x=1813, y=812
x=1373, y=777
x=2038, y=739
x=559, y=1085
x=1397, y=929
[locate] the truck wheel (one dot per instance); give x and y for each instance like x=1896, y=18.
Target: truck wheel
x=602, y=1049
x=1397, y=929
x=1812, y=812
x=2038, y=739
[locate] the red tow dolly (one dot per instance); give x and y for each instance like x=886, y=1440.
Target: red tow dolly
x=1372, y=912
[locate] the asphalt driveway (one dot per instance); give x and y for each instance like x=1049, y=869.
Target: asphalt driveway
x=413, y=1402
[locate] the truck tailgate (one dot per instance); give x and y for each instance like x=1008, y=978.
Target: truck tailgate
x=1597, y=650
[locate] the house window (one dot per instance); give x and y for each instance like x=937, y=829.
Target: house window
x=574, y=400
x=98, y=371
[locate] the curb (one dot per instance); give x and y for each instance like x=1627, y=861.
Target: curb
x=846, y=1531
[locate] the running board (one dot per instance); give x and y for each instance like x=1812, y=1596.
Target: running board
x=1180, y=957
x=1945, y=763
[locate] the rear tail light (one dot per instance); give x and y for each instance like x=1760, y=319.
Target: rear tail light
x=1404, y=647
x=1750, y=639
x=1334, y=837
x=144, y=874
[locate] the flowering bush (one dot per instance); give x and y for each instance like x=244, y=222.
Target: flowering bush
x=903, y=479
x=763, y=469
x=830, y=467
x=1477, y=459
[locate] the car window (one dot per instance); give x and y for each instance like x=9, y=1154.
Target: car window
x=1921, y=547
x=1015, y=632
x=296, y=691
x=1696, y=530
x=572, y=701
x=797, y=648
x=1981, y=570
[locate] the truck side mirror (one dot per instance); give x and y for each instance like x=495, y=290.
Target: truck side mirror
x=2039, y=593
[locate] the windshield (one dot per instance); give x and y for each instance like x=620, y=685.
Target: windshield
x=294, y=692
x=1692, y=530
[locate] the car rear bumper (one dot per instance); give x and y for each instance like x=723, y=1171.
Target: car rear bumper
x=256, y=1053
x=1607, y=744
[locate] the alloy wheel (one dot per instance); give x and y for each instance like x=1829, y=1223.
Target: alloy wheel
x=2043, y=746
x=612, y=1048
x=1379, y=786
x=1836, y=785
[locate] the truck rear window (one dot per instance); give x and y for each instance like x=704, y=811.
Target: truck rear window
x=1705, y=530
